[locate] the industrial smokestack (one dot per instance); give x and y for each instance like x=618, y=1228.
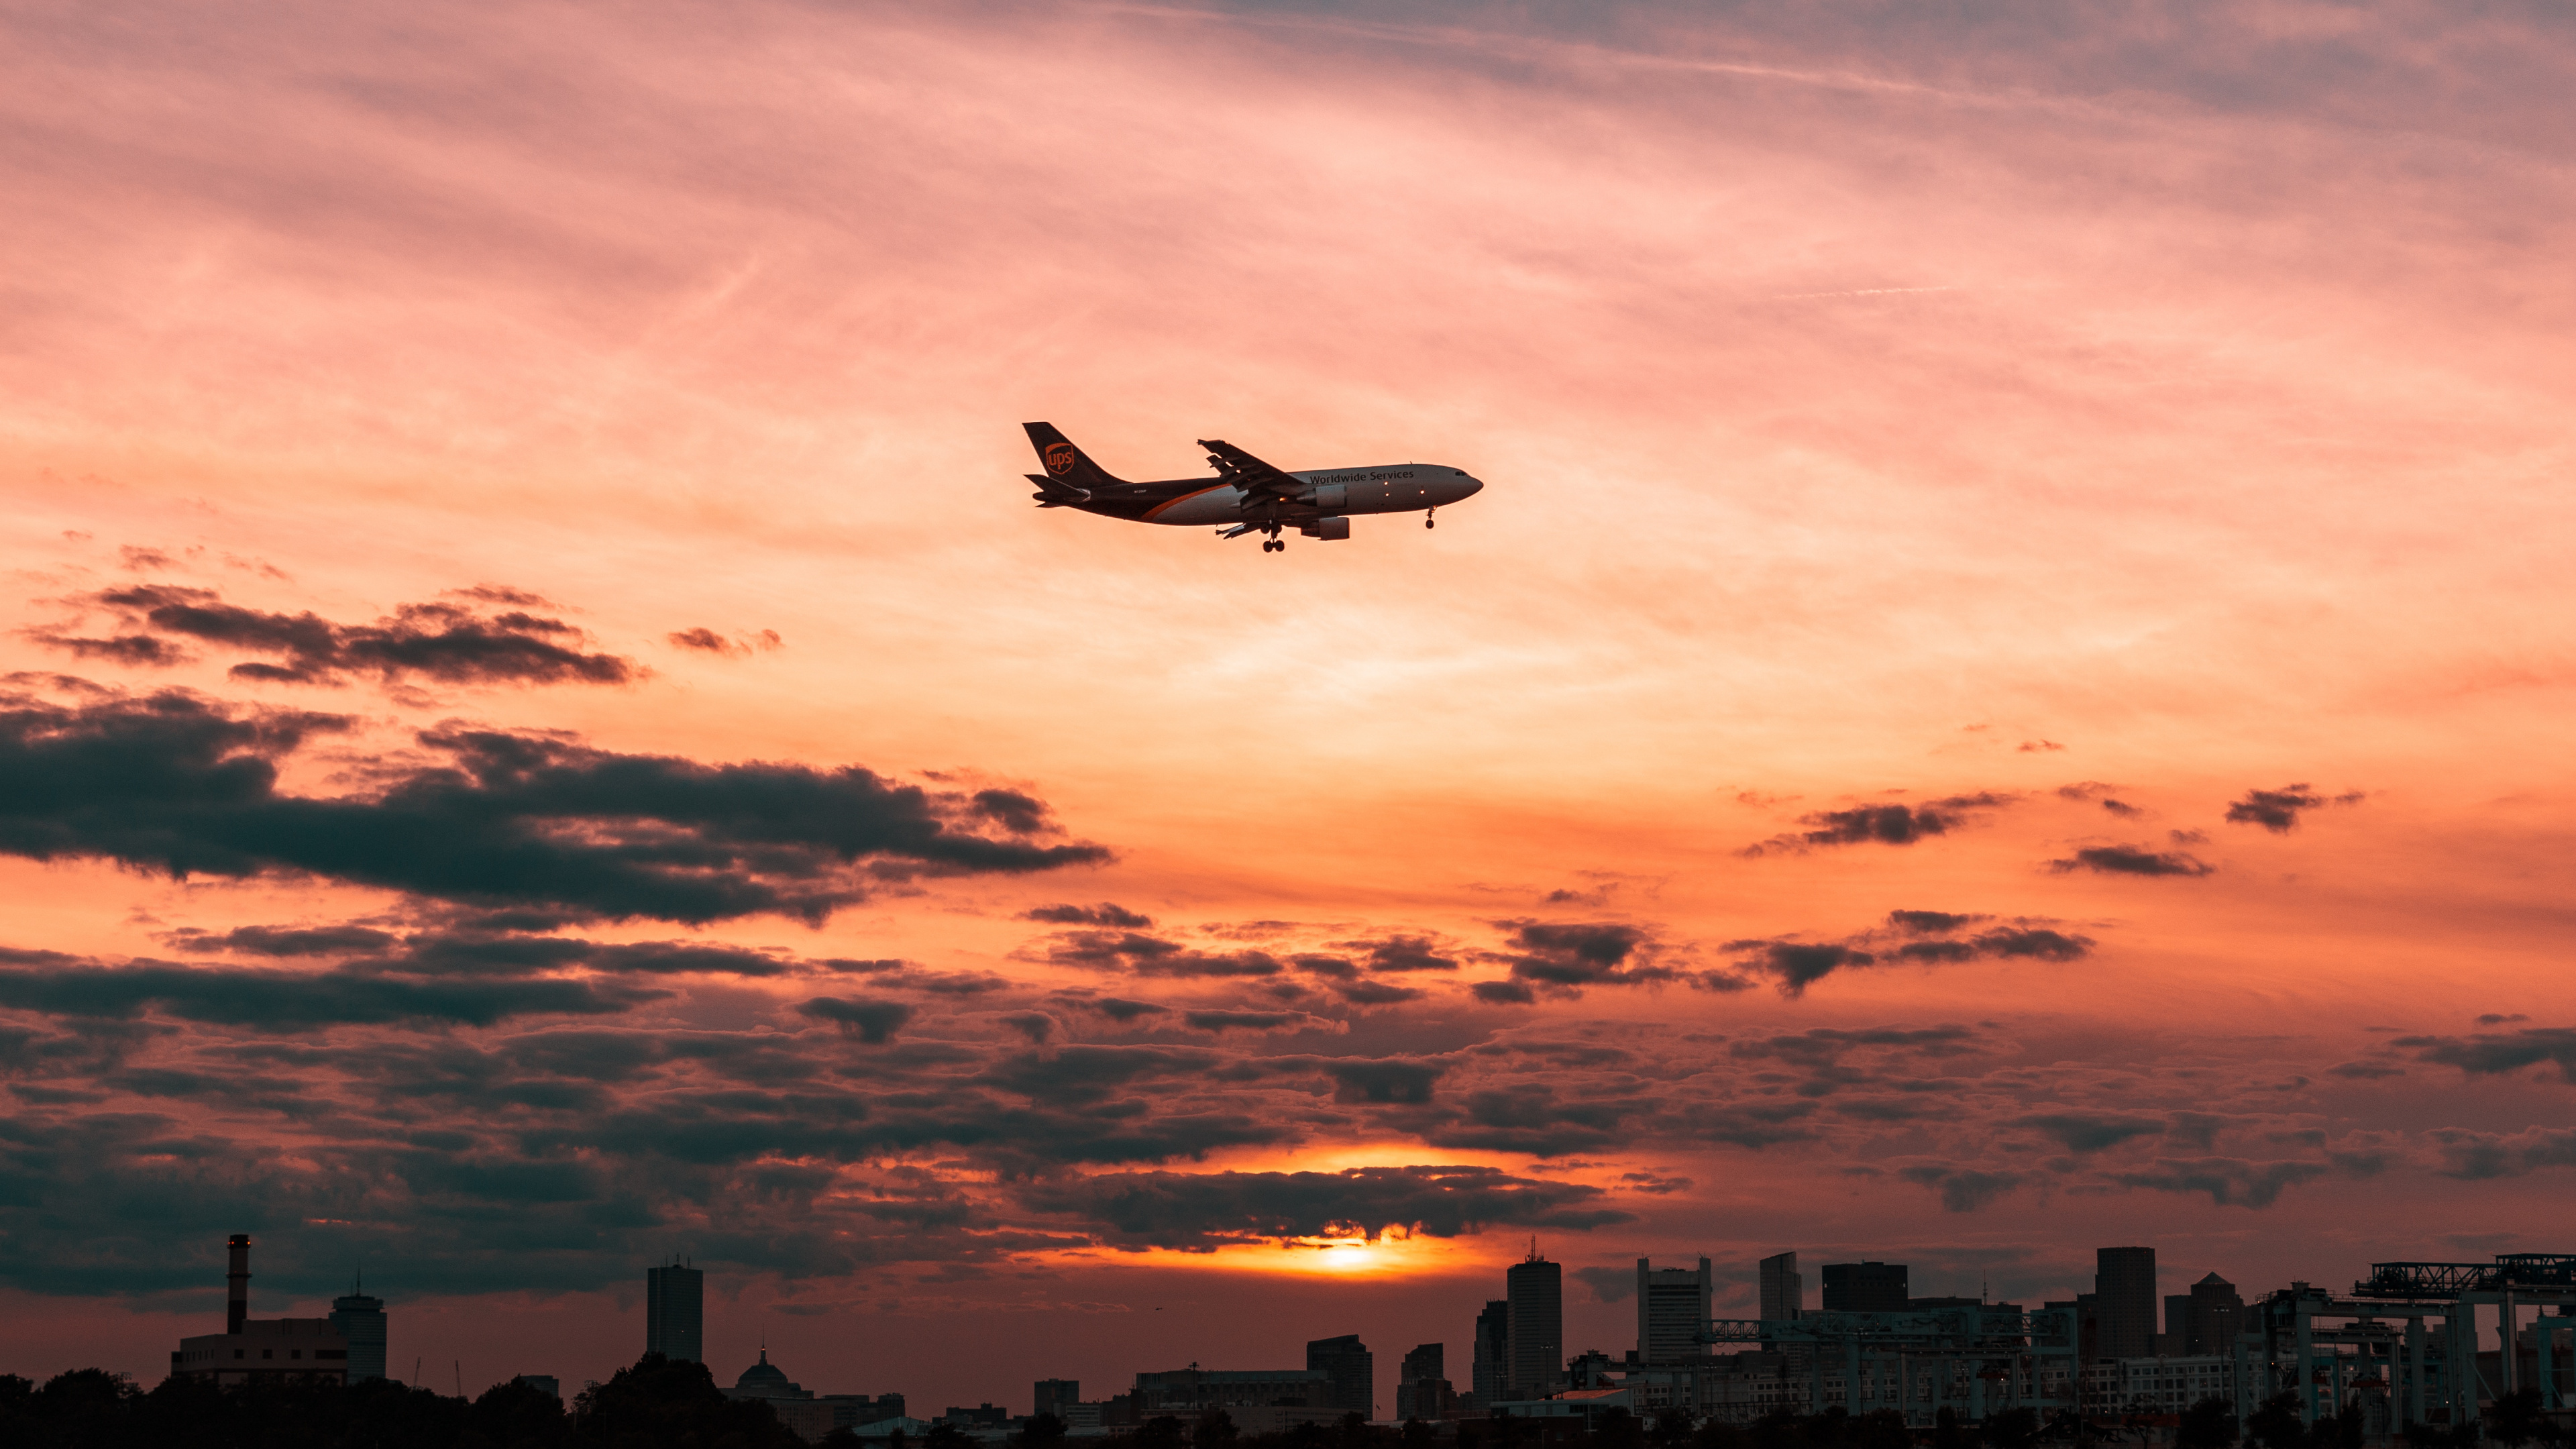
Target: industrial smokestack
x=237, y=1303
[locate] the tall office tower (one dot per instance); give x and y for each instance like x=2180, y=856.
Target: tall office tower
x=237, y=1283
x=1054, y=1396
x=2217, y=1315
x=1535, y=1288
x=1672, y=1309
x=675, y=1312
x=1492, y=1364
x=2124, y=1293
x=1422, y=1383
x=2173, y=1340
x=361, y=1320
x=1784, y=1296
x=1865, y=1287
x=1353, y=1369
x=1784, y=1292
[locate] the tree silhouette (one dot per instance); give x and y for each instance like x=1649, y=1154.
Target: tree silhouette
x=1718, y=1434
x=2277, y=1424
x=2208, y=1424
x=2514, y=1419
x=1619, y=1429
x=2013, y=1429
x=1881, y=1429
x=512, y=1415
x=1826, y=1430
x=665, y=1401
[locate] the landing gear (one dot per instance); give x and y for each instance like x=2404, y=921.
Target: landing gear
x=1426, y=516
x=1271, y=543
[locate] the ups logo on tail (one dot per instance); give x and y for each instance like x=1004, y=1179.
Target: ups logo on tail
x=1059, y=458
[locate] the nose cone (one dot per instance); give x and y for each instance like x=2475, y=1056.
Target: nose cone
x=1464, y=486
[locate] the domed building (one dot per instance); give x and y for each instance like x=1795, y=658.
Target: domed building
x=765, y=1380
x=812, y=1416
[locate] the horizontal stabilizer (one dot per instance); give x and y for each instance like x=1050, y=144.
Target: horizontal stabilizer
x=1055, y=492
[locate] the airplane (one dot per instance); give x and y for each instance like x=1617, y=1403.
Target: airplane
x=1248, y=495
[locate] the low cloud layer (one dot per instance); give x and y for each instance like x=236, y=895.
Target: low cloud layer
x=2132, y=860
x=414, y=1083
x=1884, y=824
x=2279, y=810
x=1909, y=937
x=2491, y=1053
x=182, y=785
x=459, y=641
x=1196, y=1212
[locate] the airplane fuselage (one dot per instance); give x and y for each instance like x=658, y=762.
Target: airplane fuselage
x=1197, y=502
x=1247, y=495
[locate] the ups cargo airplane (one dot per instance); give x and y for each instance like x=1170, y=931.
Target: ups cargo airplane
x=1248, y=496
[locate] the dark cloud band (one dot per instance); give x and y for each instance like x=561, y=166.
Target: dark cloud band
x=186, y=786
x=450, y=643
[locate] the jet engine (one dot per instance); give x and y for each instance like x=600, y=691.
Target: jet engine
x=1326, y=528
x=1329, y=496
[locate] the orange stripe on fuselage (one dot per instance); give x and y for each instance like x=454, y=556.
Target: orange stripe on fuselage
x=1157, y=510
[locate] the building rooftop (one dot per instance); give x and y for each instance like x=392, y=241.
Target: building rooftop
x=766, y=1380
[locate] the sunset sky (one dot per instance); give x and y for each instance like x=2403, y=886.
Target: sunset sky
x=2007, y=691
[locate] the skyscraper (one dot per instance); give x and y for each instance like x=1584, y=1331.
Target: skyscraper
x=1492, y=1365
x=1784, y=1296
x=1054, y=1396
x=1672, y=1308
x=361, y=1320
x=2124, y=1293
x=1784, y=1292
x=1422, y=1384
x=2173, y=1340
x=675, y=1312
x=237, y=1282
x=1535, y=1288
x=1353, y=1369
x=2217, y=1314
x=1865, y=1287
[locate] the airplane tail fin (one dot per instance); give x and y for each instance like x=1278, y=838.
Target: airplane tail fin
x=1067, y=466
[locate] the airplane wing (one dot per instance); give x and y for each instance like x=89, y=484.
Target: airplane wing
x=1259, y=481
